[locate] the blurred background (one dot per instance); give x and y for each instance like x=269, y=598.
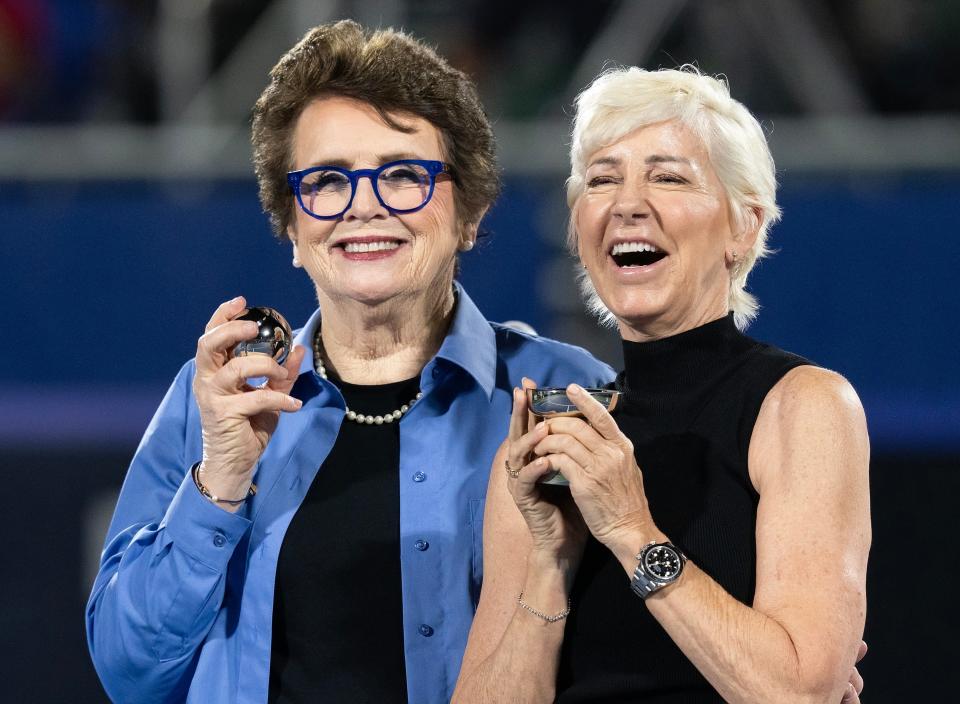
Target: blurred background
x=128, y=211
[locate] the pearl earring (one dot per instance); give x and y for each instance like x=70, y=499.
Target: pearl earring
x=296, y=263
x=466, y=246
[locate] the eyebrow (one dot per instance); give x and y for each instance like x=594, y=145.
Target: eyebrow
x=605, y=161
x=380, y=160
x=664, y=159
x=652, y=159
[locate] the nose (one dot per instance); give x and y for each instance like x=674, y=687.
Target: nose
x=631, y=202
x=365, y=204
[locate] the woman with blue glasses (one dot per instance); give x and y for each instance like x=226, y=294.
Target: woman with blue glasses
x=353, y=570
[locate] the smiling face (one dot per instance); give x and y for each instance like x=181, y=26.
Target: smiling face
x=369, y=255
x=654, y=230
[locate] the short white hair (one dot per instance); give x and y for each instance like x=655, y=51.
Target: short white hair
x=622, y=100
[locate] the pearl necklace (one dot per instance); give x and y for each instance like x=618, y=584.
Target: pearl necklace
x=353, y=415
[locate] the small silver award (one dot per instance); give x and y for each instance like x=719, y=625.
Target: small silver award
x=273, y=338
x=553, y=402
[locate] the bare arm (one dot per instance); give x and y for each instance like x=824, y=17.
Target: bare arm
x=513, y=655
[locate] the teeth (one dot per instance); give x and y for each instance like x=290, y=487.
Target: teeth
x=624, y=247
x=370, y=246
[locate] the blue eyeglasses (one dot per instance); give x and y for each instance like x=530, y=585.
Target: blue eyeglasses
x=404, y=186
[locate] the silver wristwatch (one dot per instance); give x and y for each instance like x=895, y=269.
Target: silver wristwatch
x=659, y=564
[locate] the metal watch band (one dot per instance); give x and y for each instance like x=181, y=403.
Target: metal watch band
x=644, y=584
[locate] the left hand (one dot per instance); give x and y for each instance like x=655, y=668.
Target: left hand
x=605, y=481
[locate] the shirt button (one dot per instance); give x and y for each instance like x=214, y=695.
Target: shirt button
x=421, y=545
x=419, y=477
x=219, y=540
x=425, y=630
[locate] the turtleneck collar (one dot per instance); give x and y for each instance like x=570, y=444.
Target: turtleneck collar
x=672, y=363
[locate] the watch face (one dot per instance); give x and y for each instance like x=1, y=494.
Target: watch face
x=662, y=562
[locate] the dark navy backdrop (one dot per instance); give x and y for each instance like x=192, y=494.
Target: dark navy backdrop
x=111, y=283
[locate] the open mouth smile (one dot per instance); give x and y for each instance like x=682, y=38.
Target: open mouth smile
x=636, y=254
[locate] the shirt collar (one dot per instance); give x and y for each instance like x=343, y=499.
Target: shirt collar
x=305, y=337
x=470, y=343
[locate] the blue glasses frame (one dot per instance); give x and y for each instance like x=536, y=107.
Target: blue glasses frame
x=434, y=169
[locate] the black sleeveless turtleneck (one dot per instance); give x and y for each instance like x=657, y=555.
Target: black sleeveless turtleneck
x=690, y=404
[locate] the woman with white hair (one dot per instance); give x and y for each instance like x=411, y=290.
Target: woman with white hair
x=713, y=541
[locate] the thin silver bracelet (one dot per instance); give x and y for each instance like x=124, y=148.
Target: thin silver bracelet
x=539, y=614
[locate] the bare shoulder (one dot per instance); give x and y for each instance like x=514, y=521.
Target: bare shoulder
x=809, y=398
x=808, y=388
x=811, y=413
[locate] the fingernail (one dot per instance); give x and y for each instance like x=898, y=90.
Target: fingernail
x=574, y=390
x=541, y=425
x=236, y=299
x=297, y=403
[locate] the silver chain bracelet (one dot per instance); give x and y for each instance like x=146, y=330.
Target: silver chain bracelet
x=539, y=614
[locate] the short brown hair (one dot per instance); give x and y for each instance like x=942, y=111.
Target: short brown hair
x=392, y=72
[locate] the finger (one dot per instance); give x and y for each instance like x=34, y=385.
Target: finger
x=530, y=475
x=565, y=444
x=234, y=374
x=522, y=448
x=215, y=347
x=518, y=416
x=527, y=383
x=595, y=413
x=261, y=400
x=567, y=466
x=578, y=428
x=862, y=651
x=292, y=365
x=228, y=310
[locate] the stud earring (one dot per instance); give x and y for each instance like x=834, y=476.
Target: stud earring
x=466, y=246
x=296, y=263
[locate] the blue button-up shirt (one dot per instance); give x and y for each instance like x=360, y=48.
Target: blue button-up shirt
x=182, y=606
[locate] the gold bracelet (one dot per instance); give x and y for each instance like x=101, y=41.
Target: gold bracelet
x=549, y=619
x=195, y=472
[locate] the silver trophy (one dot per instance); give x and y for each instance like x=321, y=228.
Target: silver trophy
x=553, y=402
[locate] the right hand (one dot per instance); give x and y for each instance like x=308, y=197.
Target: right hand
x=238, y=420
x=556, y=527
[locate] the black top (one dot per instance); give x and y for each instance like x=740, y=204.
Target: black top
x=337, y=616
x=690, y=404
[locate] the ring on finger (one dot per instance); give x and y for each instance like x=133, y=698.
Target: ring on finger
x=511, y=472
